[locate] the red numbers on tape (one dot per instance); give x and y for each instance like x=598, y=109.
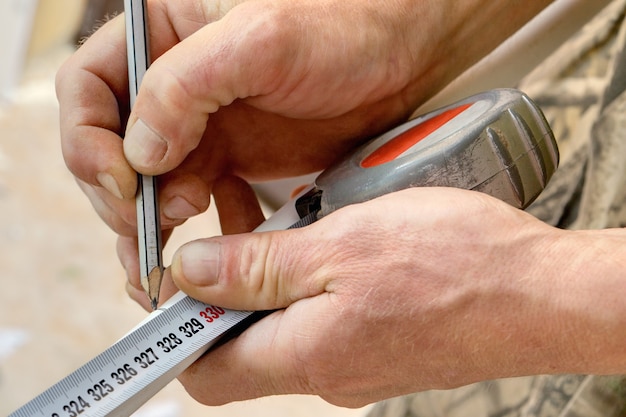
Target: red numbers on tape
x=211, y=313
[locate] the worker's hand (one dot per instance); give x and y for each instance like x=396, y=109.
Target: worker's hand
x=419, y=289
x=258, y=89
x=262, y=89
x=239, y=212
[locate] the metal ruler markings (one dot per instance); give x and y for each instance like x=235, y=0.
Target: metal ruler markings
x=139, y=364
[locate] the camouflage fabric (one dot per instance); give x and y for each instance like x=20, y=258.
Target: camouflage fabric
x=541, y=396
x=582, y=90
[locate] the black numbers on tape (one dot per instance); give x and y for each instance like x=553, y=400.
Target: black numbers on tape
x=101, y=390
x=74, y=408
x=191, y=327
x=146, y=358
x=124, y=374
x=169, y=343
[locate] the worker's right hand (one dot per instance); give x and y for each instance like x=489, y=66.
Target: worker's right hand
x=258, y=89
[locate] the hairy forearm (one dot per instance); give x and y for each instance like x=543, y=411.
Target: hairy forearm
x=590, y=297
x=568, y=310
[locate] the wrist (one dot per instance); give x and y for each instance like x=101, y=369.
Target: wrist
x=591, y=301
x=552, y=302
x=568, y=313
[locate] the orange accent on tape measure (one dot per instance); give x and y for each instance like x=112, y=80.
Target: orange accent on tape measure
x=401, y=143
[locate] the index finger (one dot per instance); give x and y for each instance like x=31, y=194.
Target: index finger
x=92, y=89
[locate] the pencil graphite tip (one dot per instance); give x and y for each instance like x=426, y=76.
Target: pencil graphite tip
x=152, y=285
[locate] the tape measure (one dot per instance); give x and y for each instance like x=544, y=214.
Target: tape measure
x=496, y=142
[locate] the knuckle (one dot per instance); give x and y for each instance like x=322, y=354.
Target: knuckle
x=253, y=268
x=173, y=92
x=269, y=38
x=253, y=271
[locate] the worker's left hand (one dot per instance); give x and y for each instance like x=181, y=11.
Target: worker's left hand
x=420, y=289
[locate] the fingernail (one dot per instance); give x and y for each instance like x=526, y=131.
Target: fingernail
x=179, y=208
x=142, y=145
x=107, y=181
x=200, y=262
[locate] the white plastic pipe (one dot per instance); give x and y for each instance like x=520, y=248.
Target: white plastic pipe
x=16, y=19
x=521, y=53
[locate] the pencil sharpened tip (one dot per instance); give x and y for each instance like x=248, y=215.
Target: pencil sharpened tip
x=155, y=303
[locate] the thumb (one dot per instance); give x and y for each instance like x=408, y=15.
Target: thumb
x=254, y=271
x=170, y=113
x=209, y=69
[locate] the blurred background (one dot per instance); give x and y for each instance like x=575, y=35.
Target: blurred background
x=63, y=300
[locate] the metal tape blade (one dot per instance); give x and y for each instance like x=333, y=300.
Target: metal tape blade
x=123, y=377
